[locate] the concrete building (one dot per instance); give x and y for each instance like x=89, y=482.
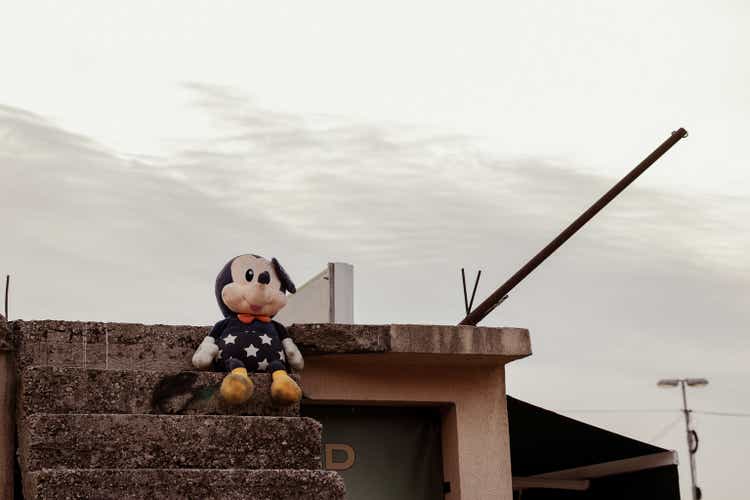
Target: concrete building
x=102, y=370
x=108, y=410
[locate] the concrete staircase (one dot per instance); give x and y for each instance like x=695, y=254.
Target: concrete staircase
x=112, y=411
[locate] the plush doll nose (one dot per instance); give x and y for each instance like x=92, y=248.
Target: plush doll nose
x=264, y=278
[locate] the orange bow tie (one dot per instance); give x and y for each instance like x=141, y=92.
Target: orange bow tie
x=248, y=318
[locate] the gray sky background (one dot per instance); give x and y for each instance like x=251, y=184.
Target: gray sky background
x=142, y=146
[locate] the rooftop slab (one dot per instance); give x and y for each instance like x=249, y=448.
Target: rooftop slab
x=326, y=338
x=132, y=346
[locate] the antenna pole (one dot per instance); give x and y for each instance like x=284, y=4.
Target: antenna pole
x=497, y=296
x=474, y=292
x=466, y=300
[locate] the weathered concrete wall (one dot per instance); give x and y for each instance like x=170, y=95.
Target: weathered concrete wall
x=458, y=368
x=7, y=410
x=116, y=346
x=129, y=346
x=510, y=343
x=5, y=336
x=476, y=449
x=168, y=442
x=52, y=389
x=236, y=484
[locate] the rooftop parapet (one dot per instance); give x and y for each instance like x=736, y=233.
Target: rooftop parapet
x=132, y=346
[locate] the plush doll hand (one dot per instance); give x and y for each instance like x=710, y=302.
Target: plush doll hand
x=293, y=356
x=205, y=353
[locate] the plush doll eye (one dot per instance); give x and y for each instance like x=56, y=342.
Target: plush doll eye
x=249, y=275
x=264, y=278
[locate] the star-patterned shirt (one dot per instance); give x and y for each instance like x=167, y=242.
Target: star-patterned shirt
x=256, y=345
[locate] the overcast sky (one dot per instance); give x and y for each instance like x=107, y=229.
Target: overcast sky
x=142, y=145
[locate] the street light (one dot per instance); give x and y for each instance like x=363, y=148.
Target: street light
x=668, y=382
x=692, y=436
x=696, y=382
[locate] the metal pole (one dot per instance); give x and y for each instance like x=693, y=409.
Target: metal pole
x=466, y=298
x=7, y=286
x=689, y=439
x=493, y=300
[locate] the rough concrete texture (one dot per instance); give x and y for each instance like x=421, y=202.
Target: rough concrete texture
x=117, y=346
x=168, y=441
x=508, y=343
x=5, y=337
x=185, y=483
x=334, y=338
x=50, y=389
x=128, y=346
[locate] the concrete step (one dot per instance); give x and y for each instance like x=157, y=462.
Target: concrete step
x=132, y=346
x=235, y=484
x=49, y=389
x=118, y=346
x=168, y=441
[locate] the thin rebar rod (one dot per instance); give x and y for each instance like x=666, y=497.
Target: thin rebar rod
x=7, y=287
x=466, y=299
x=473, y=292
x=483, y=309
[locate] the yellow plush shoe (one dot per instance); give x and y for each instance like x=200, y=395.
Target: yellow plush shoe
x=236, y=388
x=284, y=390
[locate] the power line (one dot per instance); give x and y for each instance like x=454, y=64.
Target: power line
x=721, y=413
x=619, y=410
x=666, y=429
x=654, y=410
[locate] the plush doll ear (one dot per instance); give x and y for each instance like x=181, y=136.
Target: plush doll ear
x=286, y=281
x=222, y=280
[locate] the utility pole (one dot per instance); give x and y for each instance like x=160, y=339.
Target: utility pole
x=692, y=436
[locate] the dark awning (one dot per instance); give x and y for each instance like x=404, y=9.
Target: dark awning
x=553, y=456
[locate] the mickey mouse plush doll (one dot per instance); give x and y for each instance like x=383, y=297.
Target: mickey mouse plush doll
x=250, y=290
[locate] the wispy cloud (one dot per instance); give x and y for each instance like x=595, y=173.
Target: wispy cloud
x=414, y=193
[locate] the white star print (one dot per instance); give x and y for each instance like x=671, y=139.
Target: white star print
x=263, y=365
x=229, y=339
x=218, y=354
x=251, y=351
x=265, y=339
x=281, y=356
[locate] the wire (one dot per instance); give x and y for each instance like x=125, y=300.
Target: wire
x=721, y=413
x=655, y=410
x=620, y=410
x=666, y=429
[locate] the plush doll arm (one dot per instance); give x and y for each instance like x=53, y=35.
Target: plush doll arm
x=293, y=356
x=207, y=351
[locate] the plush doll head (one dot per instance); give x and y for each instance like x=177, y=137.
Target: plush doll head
x=250, y=284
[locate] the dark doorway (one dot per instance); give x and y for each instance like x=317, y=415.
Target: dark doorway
x=383, y=453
